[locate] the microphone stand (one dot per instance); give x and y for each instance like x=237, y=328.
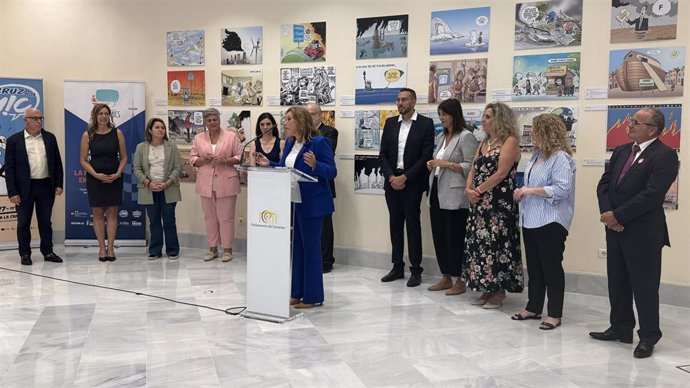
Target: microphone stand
x=265, y=131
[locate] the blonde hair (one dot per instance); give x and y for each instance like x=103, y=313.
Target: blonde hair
x=550, y=130
x=505, y=124
x=93, y=124
x=305, y=127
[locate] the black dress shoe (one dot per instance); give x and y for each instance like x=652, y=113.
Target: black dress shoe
x=644, y=349
x=415, y=280
x=394, y=274
x=611, y=335
x=327, y=269
x=26, y=260
x=52, y=257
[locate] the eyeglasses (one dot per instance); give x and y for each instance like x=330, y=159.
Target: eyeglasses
x=634, y=122
x=37, y=118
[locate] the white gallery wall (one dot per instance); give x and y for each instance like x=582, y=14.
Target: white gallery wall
x=59, y=40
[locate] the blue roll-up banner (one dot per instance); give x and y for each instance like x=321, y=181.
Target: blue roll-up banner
x=127, y=101
x=16, y=96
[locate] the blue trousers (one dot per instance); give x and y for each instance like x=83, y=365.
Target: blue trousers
x=165, y=212
x=307, y=275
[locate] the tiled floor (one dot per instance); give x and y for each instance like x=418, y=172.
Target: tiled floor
x=367, y=334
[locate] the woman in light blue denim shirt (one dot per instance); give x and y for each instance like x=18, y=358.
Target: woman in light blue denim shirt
x=547, y=203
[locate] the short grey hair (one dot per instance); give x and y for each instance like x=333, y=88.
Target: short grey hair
x=657, y=118
x=210, y=112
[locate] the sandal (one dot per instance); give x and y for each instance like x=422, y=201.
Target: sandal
x=520, y=317
x=548, y=326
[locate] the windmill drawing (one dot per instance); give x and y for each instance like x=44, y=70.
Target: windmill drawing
x=255, y=50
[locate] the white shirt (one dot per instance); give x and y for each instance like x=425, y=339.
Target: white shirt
x=295, y=194
x=402, y=138
x=36, y=153
x=642, y=147
x=439, y=155
x=213, y=179
x=156, y=163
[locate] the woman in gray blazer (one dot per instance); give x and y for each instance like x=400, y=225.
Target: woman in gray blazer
x=157, y=166
x=455, y=148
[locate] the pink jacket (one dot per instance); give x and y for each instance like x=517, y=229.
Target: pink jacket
x=227, y=179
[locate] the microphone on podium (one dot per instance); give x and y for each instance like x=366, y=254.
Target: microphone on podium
x=265, y=131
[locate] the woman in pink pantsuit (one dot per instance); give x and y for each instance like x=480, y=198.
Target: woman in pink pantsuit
x=216, y=152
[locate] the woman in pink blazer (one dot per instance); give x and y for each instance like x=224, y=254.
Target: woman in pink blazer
x=215, y=153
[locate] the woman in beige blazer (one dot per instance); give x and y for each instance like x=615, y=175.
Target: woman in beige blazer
x=157, y=166
x=216, y=152
x=455, y=148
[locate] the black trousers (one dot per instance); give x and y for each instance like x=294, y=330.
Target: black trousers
x=544, y=248
x=634, y=272
x=403, y=211
x=42, y=197
x=448, y=229
x=327, y=241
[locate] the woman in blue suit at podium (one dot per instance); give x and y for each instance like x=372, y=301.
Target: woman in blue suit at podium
x=305, y=150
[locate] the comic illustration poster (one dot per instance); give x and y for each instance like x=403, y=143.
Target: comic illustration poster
x=546, y=77
x=460, y=31
x=647, y=72
x=304, y=42
x=186, y=48
x=241, y=87
x=238, y=121
x=188, y=173
x=525, y=115
x=369, y=178
x=381, y=37
x=327, y=118
x=464, y=80
x=183, y=125
x=379, y=84
x=643, y=20
x=369, y=128
x=241, y=46
x=473, y=122
x=619, y=117
x=542, y=24
x=187, y=87
x=302, y=85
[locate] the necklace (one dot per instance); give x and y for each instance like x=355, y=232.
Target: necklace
x=491, y=143
x=156, y=150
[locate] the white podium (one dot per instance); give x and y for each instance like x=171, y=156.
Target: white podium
x=269, y=242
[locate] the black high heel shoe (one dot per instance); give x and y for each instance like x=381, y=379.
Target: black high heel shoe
x=104, y=258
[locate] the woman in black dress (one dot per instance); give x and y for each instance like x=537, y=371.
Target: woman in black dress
x=104, y=156
x=269, y=144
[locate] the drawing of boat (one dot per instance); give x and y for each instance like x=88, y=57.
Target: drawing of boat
x=640, y=72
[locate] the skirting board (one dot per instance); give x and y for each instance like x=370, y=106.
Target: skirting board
x=590, y=284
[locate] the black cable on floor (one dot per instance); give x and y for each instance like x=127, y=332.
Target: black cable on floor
x=228, y=311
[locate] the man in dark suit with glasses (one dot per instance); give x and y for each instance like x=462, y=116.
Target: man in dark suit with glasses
x=33, y=173
x=631, y=195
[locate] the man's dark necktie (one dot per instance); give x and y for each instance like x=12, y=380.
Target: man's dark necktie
x=629, y=162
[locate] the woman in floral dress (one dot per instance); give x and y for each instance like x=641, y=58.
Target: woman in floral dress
x=493, y=264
